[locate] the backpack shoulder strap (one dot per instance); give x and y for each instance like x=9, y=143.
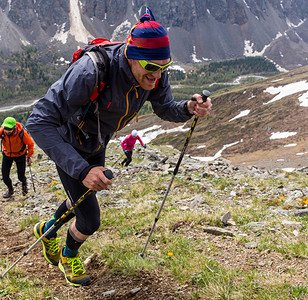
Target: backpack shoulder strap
x=21, y=133
x=21, y=136
x=101, y=63
x=94, y=59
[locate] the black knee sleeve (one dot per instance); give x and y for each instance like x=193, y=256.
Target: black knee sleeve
x=88, y=226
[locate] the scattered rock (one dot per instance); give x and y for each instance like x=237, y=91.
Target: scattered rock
x=225, y=218
x=292, y=224
x=196, y=201
x=164, y=159
x=255, y=226
x=135, y=291
x=251, y=245
x=233, y=194
x=217, y=231
x=294, y=198
x=107, y=293
x=89, y=259
x=301, y=212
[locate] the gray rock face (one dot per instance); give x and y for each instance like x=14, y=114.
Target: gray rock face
x=271, y=28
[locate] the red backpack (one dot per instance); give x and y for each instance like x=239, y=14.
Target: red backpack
x=96, y=51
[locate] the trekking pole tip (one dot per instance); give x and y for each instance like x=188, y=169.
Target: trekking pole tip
x=141, y=255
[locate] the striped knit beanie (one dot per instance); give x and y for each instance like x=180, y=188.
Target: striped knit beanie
x=148, y=39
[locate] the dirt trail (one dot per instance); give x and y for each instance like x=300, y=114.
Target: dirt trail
x=14, y=242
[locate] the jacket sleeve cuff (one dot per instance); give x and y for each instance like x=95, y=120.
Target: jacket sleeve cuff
x=186, y=110
x=85, y=172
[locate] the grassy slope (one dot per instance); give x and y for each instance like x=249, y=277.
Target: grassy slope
x=203, y=265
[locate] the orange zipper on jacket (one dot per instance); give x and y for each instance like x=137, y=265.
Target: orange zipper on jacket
x=127, y=108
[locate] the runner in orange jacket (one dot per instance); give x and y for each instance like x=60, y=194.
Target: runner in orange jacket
x=16, y=145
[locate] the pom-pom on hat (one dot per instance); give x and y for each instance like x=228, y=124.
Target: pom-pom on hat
x=148, y=39
x=9, y=123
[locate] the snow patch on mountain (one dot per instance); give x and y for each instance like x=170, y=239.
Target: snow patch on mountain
x=281, y=135
x=61, y=35
x=194, y=56
x=289, y=89
x=217, y=155
x=241, y=114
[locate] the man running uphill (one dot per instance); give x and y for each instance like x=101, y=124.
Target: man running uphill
x=136, y=75
x=128, y=145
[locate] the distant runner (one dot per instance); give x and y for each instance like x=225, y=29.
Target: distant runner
x=18, y=146
x=128, y=145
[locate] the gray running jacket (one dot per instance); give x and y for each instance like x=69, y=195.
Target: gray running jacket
x=53, y=122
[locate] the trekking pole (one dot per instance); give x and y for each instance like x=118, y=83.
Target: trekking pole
x=107, y=173
x=32, y=179
x=205, y=95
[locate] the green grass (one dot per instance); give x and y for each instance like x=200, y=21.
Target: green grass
x=32, y=220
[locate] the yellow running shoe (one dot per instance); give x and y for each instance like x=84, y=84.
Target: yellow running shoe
x=51, y=249
x=73, y=270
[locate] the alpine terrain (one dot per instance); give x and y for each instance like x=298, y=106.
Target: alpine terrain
x=234, y=224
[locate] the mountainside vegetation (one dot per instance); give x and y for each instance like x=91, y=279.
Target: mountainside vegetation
x=219, y=75
x=251, y=133
x=223, y=233
x=25, y=75
x=224, y=71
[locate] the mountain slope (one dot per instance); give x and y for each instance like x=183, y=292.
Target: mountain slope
x=246, y=123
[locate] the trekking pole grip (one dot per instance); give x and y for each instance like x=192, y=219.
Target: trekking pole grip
x=108, y=174
x=205, y=94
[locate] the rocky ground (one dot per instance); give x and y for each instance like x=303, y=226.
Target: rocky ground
x=150, y=285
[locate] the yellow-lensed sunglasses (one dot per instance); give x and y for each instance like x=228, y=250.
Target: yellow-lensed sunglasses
x=152, y=67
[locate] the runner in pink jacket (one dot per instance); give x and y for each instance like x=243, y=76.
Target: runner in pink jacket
x=128, y=145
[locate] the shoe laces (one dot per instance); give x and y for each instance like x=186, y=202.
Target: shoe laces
x=77, y=266
x=53, y=246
